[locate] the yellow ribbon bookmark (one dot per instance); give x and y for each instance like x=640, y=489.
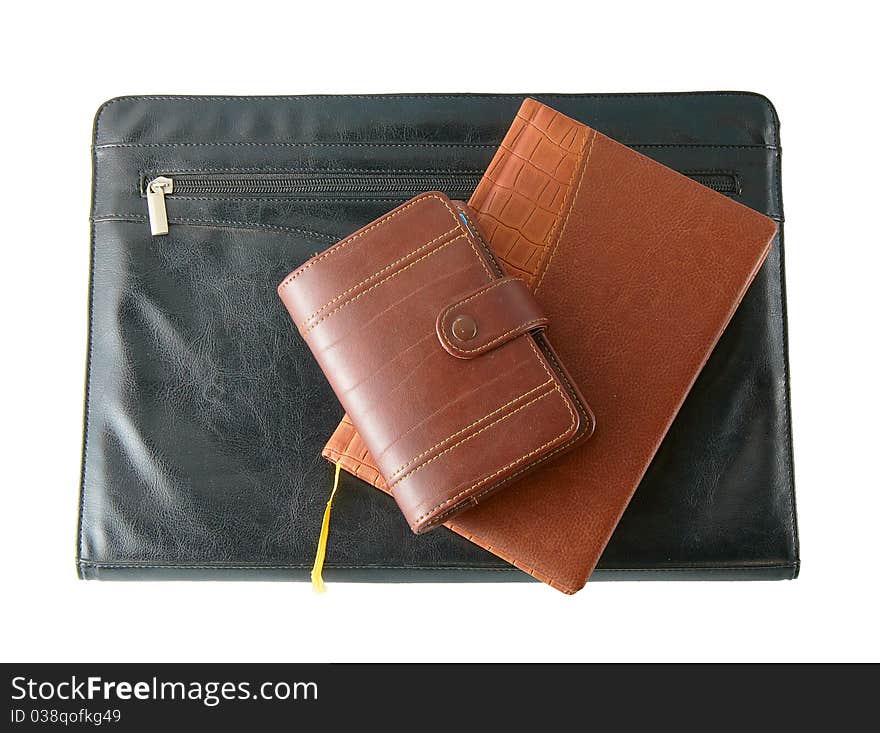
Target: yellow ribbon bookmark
x=317, y=580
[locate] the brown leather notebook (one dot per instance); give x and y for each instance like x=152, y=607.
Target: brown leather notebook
x=438, y=357
x=639, y=270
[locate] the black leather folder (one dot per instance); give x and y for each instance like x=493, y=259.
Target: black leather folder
x=205, y=417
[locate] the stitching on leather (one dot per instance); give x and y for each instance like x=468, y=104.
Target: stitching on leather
x=465, y=429
x=571, y=412
x=255, y=566
x=349, y=240
x=521, y=328
x=789, y=465
x=377, y=284
x=623, y=96
x=550, y=378
x=285, y=144
x=207, y=566
x=509, y=465
x=152, y=173
x=381, y=144
x=88, y=405
x=470, y=231
x=297, y=200
x=449, y=309
x=220, y=223
x=588, y=421
x=376, y=274
x=535, y=571
x=481, y=291
x=543, y=365
x=792, y=512
x=476, y=232
x=568, y=213
x=497, y=420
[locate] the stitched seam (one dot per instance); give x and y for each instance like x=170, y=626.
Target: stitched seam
x=344, y=243
x=87, y=408
x=509, y=465
x=534, y=571
x=377, y=284
x=255, y=566
x=376, y=274
x=300, y=200
x=443, y=516
x=483, y=291
x=497, y=270
x=521, y=328
x=622, y=96
x=476, y=232
x=219, y=223
x=585, y=412
x=152, y=173
x=285, y=144
x=550, y=378
x=568, y=213
x=465, y=429
x=481, y=542
x=786, y=387
x=497, y=420
x=293, y=566
x=381, y=144
x=470, y=235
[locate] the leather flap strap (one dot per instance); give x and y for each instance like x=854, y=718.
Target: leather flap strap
x=488, y=318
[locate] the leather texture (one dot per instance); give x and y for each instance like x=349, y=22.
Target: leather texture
x=668, y=261
x=393, y=314
x=488, y=318
x=204, y=419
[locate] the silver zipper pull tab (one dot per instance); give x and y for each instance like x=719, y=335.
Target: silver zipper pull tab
x=157, y=189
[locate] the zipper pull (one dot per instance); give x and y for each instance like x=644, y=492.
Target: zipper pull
x=157, y=189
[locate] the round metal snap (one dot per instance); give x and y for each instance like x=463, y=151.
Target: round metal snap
x=464, y=328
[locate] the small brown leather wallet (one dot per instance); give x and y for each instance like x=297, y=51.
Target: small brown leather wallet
x=439, y=359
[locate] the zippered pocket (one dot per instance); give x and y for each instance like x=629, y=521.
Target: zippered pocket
x=303, y=185
x=342, y=185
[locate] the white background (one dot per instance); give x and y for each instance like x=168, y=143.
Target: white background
x=816, y=62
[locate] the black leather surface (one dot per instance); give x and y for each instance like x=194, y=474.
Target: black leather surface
x=205, y=413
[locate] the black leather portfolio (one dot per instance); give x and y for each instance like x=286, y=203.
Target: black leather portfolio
x=205, y=415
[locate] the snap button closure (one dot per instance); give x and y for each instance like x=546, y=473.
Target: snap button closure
x=464, y=328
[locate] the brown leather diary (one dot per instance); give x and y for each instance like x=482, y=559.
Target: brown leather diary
x=639, y=270
x=437, y=356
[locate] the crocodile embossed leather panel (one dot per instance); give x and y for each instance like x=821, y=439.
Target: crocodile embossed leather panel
x=640, y=272
x=520, y=200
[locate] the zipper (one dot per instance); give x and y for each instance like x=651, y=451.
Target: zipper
x=721, y=181
x=337, y=184
x=157, y=190
x=300, y=185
